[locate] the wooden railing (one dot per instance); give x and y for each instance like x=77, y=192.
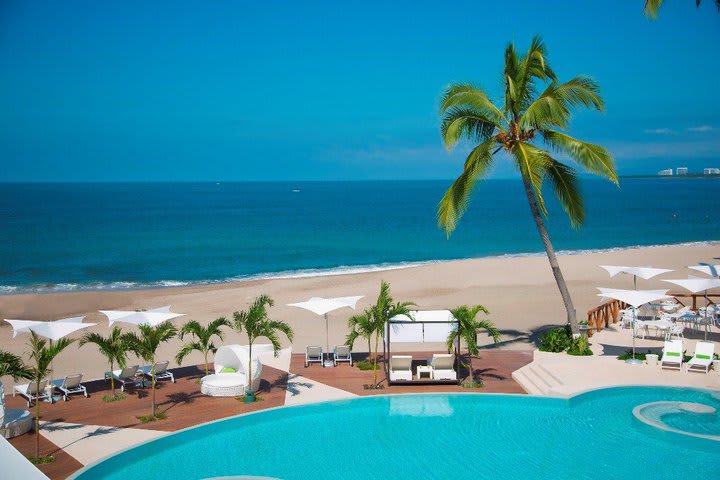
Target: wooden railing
x=606, y=314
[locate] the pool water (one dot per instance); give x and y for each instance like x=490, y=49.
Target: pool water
x=594, y=435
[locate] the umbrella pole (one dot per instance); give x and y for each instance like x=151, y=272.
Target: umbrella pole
x=327, y=337
x=706, y=320
x=633, y=360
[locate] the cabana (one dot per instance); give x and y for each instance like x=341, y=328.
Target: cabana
x=233, y=360
x=422, y=327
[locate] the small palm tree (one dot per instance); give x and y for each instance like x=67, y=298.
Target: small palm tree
x=380, y=313
x=361, y=326
x=202, y=339
x=652, y=7
x=526, y=116
x=468, y=328
x=13, y=366
x=145, y=346
x=255, y=323
x=113, y=347
x=42, y=353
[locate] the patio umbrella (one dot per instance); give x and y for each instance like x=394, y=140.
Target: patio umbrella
x=645, y=273
x=152, y=317
x=323, y=306
x=636, y=298
x=695, y=285
x=712, y=270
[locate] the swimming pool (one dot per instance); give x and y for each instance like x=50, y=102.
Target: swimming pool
x=594, y=435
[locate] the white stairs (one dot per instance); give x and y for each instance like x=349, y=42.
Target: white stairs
x=537, y=379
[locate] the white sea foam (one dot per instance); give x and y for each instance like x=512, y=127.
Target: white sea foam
x=311, y=272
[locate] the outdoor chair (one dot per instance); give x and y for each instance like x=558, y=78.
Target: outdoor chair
x=342, y=353
x=72, y=384
x=703, y=358
x=672, y=356
x=314, y=354
x=400, y=368
x=443, y=366
x=33, y=391
x=126, y=376
x=161, y=371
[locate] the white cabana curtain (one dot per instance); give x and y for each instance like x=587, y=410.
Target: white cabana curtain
x=421, y=332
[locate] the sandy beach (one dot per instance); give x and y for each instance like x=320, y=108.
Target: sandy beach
x=520, y=293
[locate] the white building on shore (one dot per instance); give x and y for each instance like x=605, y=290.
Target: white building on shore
x=681, y=171
x=711, y=171
x=666, y=173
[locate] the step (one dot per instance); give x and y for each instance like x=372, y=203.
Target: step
x=521, y=377
x=547, y=371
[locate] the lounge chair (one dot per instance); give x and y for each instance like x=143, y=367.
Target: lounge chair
x=672, y=355
x=401, y=368
x=126, y=376
x=161, y=371
x=72, y=384
x=443, y=366
x=703, y=358
x=314, y=355
x=342, y=353
x=33, y=392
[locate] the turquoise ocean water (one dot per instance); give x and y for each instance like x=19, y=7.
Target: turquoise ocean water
x=593, y=436
x=58, y=237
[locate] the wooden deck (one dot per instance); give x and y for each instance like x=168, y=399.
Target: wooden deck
x=186, y=406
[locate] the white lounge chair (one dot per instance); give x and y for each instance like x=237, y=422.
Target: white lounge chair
x=703, y=358
x=161, y=371
x=33, y=391
x=72, y=384
x=342, y=353
x=401, y=368
x=672, y=355
x=314, y=354
x=126, y=376
x=443, y=366
x=676, y=331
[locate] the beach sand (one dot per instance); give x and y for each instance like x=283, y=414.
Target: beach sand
x=520, y=293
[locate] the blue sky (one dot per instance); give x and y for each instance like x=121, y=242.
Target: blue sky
x=294, y=90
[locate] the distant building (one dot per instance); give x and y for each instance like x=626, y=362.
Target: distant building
x=665, y=173
x=681, y=171
x=711, y=171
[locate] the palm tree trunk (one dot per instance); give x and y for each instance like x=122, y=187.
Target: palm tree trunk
x=37, y=422
x=249, y=378
x=152, y=371
x=377, y=336
x=112, y=379
x=206, y=364
x=562, y=286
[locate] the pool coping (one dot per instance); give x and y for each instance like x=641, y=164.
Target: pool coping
x=85, y=468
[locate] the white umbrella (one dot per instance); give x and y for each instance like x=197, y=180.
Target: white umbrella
x=645, y=273
x=323, y=306
x=712, y=270
x=696, y=285
x=636, y=298
x=152, y=317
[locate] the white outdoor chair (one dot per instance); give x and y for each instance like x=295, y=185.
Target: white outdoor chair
x=72, y=384
x=342, y=353
x=703, y=358
x=672, y=355
x=401, y=368
x=161, y=371
x=126, y=376
x=443, y=366
x=33, y=391
x=314, y=354
x=675, y=331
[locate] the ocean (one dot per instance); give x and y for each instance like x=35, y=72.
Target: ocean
x=65, y=237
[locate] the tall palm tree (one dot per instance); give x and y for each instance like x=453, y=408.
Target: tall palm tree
x=525, y=116
x=468, y=328
x=361, y=326
x=255, y=323
x=145, y=346
x=384, y=309
x=652, y=7
x=113, y=347
x=42, y=353
x=202, y=339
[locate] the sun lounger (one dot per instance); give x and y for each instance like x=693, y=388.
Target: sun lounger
x=127, y=376
x=33, y=392
x=703, y=358
x=161, y=371
x=400, y=368
x=341, y=353
x=443, y=366
x=72, y=384
x=314, y=355
x=672, y=355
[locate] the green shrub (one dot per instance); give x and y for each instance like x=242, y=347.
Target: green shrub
x=579, y=346
x=556, y=340
x=364, y=365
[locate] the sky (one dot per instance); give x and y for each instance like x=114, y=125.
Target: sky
x=234, y=91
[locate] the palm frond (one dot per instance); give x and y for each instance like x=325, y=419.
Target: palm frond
x=532, y=163
x=593, y=158
x=465, y=123
x=553, y=107
x=565, y=183
x=13, y=366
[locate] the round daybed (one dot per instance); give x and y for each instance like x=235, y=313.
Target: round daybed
x=231, y=370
